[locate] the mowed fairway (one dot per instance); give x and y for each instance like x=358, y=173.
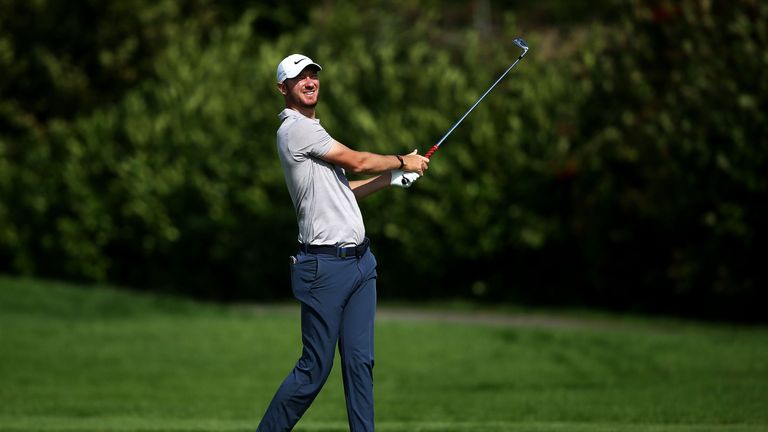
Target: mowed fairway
x=84, y=359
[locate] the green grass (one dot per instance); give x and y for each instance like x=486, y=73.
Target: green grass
x=85, y=359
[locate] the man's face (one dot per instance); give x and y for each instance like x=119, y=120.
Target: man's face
x=303, y=90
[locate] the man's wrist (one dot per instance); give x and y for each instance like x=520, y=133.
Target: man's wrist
x=402, y=163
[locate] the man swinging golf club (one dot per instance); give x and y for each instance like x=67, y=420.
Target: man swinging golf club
x=333, y=274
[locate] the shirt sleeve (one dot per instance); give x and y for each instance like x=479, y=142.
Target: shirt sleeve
x=310, y=139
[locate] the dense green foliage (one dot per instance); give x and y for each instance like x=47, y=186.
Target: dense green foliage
x=62, y=59
x=671, y=186
x=621, y=164
x=85, y=359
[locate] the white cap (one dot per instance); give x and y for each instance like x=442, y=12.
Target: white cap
x=292, y=65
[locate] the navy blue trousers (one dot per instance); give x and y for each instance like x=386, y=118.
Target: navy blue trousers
x=338, y=305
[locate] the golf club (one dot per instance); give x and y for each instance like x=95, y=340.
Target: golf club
x=520, y=44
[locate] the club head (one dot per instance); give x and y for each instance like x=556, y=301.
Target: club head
x=522, y=45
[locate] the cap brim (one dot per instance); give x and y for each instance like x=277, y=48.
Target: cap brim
x=298, y=71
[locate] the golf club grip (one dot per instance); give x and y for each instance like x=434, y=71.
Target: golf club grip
x=431, y=151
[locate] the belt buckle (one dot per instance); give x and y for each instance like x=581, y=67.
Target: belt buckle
x=342, y=252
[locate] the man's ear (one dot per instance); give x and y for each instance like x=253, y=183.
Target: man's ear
x=282, y=88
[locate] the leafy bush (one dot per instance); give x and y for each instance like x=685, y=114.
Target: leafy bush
x=618, y=175
x=672, y=160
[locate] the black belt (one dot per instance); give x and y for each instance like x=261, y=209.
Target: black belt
x=341, y=252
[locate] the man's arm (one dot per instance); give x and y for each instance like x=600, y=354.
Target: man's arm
x=371, y=163
x=363, y=188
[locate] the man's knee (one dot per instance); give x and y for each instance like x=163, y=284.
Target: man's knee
x=313, y=373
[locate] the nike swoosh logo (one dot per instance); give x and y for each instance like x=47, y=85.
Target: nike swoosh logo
x=299, y=61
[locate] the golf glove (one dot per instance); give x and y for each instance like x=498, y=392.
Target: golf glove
x=403, y=179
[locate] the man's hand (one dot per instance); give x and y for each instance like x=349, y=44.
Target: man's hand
x=403, y=179
x=415, y=163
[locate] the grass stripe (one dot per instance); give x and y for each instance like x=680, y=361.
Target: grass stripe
x=124, y=424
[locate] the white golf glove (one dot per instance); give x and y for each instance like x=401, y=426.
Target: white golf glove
x=403, y=179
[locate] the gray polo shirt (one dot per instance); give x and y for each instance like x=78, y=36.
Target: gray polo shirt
x=326, y=208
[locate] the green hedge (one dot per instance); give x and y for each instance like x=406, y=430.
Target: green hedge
x=671, y=187
x=625, y=171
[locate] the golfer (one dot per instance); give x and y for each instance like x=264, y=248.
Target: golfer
x=333, y=274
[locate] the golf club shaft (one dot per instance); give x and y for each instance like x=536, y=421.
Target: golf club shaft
x=436, y=146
